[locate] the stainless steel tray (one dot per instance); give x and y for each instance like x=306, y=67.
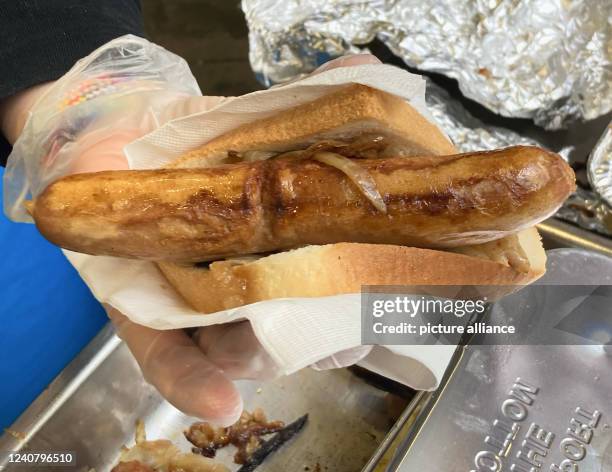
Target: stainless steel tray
x=451, y=433
x=91, y=407
x=397, y=448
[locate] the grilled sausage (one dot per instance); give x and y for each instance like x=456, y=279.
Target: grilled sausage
x=190, y=215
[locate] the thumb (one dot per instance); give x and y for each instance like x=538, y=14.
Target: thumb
x=235, y=349
x=188, y=105
x=172, y=363
x=101, y=148
x=348, y=61
x=96, y=152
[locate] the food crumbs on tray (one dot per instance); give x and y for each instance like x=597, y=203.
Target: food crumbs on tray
x=161, y=455
x=245, y=435
x=258, y=390
x=16, y=434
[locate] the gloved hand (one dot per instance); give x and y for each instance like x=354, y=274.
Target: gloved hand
x=80, y=124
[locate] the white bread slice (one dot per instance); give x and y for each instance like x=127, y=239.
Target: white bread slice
x=316, y=271
x=353, y=110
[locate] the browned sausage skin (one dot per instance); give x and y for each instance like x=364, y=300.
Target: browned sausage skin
x=190, y=215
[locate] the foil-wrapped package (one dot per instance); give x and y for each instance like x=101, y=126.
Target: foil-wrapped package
x=588, y=210
x=467, y=132
x=600, y=165
x=548, y=60
x=584, y=208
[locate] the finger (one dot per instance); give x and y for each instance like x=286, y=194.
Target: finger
x=342, y=61
x=236, y=350
x=171, y=362
x=173, y=107
x=343, y=358
x=191, y=105
x=101, y=148
x=97, y=151
x=348, y=61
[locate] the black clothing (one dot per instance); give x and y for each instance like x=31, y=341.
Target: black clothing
x=40, y=40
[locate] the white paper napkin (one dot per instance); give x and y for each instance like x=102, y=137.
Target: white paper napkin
x=296, y=332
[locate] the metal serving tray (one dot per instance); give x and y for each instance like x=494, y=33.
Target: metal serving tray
x=454, y=428
x=91, y=407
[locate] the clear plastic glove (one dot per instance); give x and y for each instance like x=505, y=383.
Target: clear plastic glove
x=81, y=123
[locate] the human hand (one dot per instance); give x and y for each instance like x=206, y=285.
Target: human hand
x=194, y=373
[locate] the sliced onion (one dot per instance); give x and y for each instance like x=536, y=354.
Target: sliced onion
x=291, y=155
x=252, y=156
x=358, y=175
x=140, y=433
x=398, y=149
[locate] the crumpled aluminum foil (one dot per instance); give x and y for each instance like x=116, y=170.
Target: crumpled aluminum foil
x=600, y=165
x=588, y=210
x=548, y=60
x=585, y=208
x=469, y=133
